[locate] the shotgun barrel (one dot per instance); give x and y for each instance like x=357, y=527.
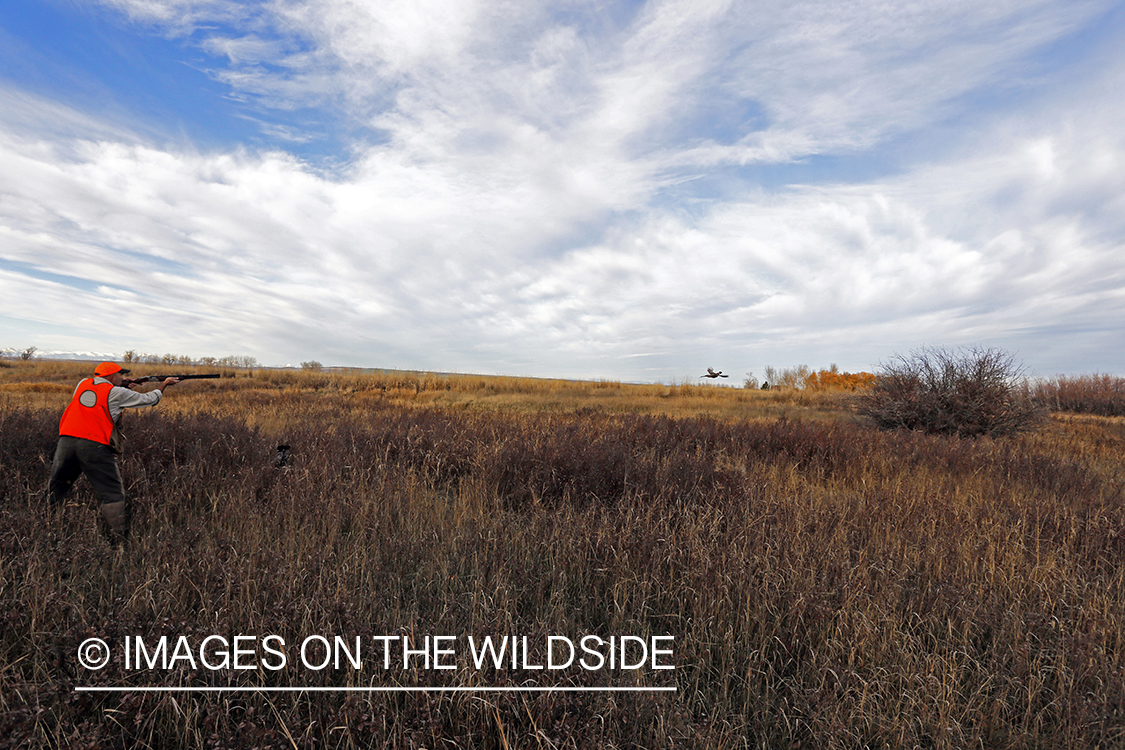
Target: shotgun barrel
x=159, y=378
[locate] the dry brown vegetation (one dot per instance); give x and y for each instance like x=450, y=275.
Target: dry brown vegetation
x=828, y=585
x=964, y=392
x=1086, y=394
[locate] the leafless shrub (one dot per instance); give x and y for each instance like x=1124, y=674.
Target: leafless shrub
x=968, y=392
x=1083, y=394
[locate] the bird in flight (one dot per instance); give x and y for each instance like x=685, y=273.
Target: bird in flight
x=712, y=374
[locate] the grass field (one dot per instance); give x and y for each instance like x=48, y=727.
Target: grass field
x=827, y=585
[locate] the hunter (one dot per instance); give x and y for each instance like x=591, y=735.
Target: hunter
x=90, y=439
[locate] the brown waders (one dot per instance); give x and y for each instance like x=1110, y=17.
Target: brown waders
x=75, y=456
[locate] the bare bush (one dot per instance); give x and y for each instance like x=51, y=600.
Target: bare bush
x=968, y=392
x=1083, y=394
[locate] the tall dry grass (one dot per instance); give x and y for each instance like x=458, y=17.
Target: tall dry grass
x=828, y=585
x=1086, y=394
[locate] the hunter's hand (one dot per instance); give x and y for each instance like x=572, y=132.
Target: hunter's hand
x=167, y=382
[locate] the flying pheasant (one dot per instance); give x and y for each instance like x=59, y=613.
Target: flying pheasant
x=712, y=374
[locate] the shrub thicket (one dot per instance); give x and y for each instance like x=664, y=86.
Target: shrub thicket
x=1084, y=394
x=965, y=392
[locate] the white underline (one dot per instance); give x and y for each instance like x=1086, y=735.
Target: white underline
x=375, y=689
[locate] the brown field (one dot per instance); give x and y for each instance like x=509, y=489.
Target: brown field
x=827, y=585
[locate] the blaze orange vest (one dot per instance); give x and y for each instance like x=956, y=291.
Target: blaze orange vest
x=87, y=416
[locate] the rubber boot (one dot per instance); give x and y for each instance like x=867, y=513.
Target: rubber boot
x=116, y=526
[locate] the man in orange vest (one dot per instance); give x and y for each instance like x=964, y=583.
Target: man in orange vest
x=86, y=434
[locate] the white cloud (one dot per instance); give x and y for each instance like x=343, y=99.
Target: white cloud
x=179, y=17
x=516, y=216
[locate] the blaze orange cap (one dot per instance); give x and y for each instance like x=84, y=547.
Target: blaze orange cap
x=108, y=368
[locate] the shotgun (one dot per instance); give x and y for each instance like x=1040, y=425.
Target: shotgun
x=160, y=378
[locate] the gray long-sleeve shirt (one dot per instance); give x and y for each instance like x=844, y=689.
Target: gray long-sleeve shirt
x=121, y=397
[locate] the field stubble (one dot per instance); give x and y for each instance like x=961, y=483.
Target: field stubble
x=828, y=585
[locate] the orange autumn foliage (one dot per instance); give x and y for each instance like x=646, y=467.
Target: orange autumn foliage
x=825, y=380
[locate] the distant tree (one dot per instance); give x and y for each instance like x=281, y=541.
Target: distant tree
x=130, y=356
x=312, y=365
x=794, y=377
x=791, y=377
x=966, y=392
x=750, y=382
x=241, y=361
x=834, y=380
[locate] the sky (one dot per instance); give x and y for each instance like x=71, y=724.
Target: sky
x=592, y=189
